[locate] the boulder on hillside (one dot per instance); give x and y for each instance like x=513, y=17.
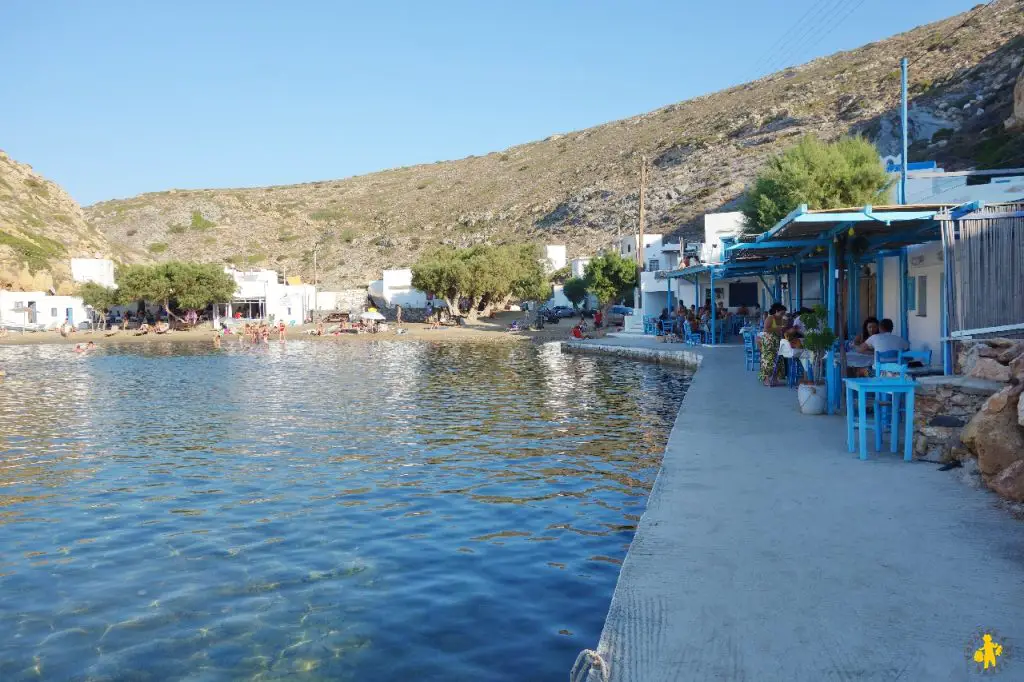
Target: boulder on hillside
x=1016, y=121
x=990, y=369
x=1009, y=482
x=994, y=434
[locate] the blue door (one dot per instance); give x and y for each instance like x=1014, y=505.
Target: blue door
x=71, y=315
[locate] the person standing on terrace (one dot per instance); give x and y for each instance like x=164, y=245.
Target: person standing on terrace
x=774, y=327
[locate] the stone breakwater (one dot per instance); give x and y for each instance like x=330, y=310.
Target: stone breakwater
x=683, y=357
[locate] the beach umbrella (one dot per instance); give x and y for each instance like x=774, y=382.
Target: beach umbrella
x=372, y=316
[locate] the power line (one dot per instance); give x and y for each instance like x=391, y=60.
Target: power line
x=970, y=15
x=795, y=47
x=781, y=40
x=853, y=8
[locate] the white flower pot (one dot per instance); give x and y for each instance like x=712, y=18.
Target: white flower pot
x=812, y=398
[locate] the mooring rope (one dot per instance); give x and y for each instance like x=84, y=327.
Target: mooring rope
x=588, y=660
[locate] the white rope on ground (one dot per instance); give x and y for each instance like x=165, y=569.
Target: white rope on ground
x=588, y=660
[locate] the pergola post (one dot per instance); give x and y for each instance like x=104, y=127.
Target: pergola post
x=904, y=312
x=944, y=295
x=714, y=318
x=799, y=284
x=851, y=288
x=670, y=308
x=879, y=287
x=830, y=365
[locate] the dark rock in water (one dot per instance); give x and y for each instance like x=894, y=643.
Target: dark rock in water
x=955, y=464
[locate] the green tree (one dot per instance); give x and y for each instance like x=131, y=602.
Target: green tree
x=822, y=175
x=611, y=277
x=485, y=276
x=188, y=286
x=575, y=289
x=100, y=298
x=560, y=275
x=441, y=272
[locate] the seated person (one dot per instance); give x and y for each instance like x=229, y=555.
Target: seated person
x=162, y=328
x=143, y=329
x=577, y=332
x=869, y=329
x=884, y=341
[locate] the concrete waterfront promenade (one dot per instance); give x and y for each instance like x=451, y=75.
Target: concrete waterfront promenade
x=769, y=552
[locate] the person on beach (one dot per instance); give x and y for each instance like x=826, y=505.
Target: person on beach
x=216, y=340
x=281, y=329
x=398, y=315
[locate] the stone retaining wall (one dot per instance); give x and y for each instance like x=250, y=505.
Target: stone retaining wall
x=685, y=358
x=942, y=407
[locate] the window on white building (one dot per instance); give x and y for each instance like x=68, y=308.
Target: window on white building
x=53, y=312
x=653, y=264
x=922, y=296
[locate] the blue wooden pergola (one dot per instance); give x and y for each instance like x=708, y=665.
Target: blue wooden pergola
x=807, y=241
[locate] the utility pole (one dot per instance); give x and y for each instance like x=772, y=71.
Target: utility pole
x=903, y=128
x=316, y=248
x=640, y=232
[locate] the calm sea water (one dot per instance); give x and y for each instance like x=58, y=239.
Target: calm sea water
x=317, y=511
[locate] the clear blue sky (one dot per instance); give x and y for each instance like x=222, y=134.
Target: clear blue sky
x=111, y=98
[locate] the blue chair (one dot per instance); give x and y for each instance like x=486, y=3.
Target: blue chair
x=650, y=327
x=794, y=369
x=751, y=353
x=887, y=370
x=887, y=356
x=691, y=337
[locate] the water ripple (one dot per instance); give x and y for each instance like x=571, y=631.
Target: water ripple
x=385, y=511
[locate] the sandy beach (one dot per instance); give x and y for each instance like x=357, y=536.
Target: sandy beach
x=493, y=330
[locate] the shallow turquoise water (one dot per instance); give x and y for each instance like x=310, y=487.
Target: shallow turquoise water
x=317, y=511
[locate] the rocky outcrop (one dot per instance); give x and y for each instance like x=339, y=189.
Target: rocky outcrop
x=1016, y=122
x=992, y=359
x=994, y=435
x=41, y=229
x=942, y=407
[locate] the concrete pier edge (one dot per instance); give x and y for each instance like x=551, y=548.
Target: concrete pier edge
x=769, y=552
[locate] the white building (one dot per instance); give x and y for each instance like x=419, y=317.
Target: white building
x=395, y=288
x=98, y=270
x=39, y=309
x=261, y=294
x=578, y=267
x=555, y=257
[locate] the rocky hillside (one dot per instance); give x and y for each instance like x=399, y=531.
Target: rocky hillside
x=41, y=229
x=580, y=188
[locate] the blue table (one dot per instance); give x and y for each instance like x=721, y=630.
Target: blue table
x=895, y=387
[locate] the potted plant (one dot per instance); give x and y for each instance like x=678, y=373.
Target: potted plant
x=818, y=339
